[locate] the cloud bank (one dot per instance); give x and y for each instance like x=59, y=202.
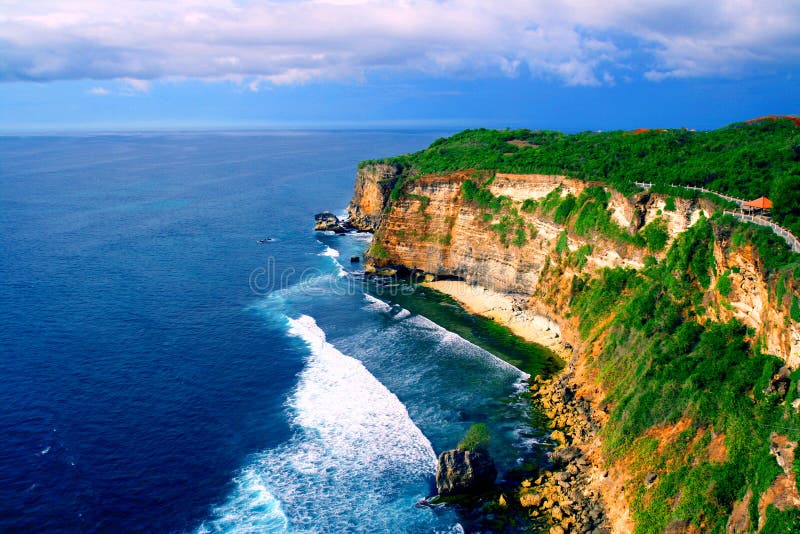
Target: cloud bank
x=253, y=42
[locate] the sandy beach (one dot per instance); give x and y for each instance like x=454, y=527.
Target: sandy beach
x=507, y=310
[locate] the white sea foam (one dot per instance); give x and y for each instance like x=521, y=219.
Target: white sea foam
x=356, y=462
x=332, y=252
x=365, y=236
x=375, y=304
x=402, y=314
x=461, y=345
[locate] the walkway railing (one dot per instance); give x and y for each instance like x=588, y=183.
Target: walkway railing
x=788, y=236
x=738, y=201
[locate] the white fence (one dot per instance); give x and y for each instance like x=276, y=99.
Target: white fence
x=789, y=237
x=738, y=201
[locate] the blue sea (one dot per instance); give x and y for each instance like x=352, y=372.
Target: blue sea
x=162, y=371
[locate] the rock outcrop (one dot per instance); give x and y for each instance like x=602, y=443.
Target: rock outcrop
x=374, y=184
x=464, y=472
x=328, y=222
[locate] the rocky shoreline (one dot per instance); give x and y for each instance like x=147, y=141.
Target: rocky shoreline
x=567, y=496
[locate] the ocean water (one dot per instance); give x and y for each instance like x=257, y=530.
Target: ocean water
x=164, y=372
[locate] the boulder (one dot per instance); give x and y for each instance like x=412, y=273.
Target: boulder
x=328, y=222
x=461, y=472
x=779, y=384
x=354, y=259
x=562, y=457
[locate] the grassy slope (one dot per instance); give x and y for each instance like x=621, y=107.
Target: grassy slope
x=660, y=362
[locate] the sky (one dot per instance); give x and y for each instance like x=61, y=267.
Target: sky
x=569, y=65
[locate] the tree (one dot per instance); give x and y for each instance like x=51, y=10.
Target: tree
x=786, y=196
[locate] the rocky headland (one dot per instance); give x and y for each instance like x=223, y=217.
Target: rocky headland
x=518, y=249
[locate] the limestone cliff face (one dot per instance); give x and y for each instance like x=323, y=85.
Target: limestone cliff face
x=431, y=228
x=374, y=184
x=753, y=300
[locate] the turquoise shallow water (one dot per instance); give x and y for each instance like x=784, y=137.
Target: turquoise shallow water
x=163, y=372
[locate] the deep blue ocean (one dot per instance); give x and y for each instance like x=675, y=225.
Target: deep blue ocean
x=161, y=371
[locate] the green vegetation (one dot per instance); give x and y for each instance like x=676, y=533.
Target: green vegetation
x=655, y=235
x=794, y=311
x=476, y=438
x=724, y=284
x=788, y=521
x=780, y=289
x=745, y=160
x=661, y=364
x=563, y=243
x=669, y=204
x=578, y=258
x=378, y=250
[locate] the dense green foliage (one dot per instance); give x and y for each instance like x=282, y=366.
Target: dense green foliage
x=476, y=438
x=742, y=160
x=724, y=284
x=660, y=363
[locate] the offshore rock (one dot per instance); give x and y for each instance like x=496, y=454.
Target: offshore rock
x=461, y=472
x=328, y=222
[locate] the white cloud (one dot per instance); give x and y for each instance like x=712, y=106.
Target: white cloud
x=255, y=42
x=100, y=91
x=137, y=85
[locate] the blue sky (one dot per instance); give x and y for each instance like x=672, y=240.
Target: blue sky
x=569, y=65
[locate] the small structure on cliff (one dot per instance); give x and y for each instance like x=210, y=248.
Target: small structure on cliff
x=760, y=205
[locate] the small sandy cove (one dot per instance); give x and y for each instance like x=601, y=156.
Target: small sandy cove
x=507, y=310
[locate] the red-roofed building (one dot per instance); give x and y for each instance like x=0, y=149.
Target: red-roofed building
x=760, y=204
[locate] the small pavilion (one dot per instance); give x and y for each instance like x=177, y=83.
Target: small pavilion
x=759, y=205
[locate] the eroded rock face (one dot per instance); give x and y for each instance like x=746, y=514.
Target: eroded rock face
x=461, y=472
x=752, y=301
x=430, y=227
x=374, y=184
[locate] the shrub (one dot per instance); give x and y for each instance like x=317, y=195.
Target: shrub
x=476, y=438
x=655, y=235
x=378, y=250
x=724, y=284
x=529, y=205
x=519, y=237
x=563, y=242
x=564, y=210
x=669, y=204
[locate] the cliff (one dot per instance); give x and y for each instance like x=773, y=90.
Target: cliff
x=644, y=289
x=374, y=184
